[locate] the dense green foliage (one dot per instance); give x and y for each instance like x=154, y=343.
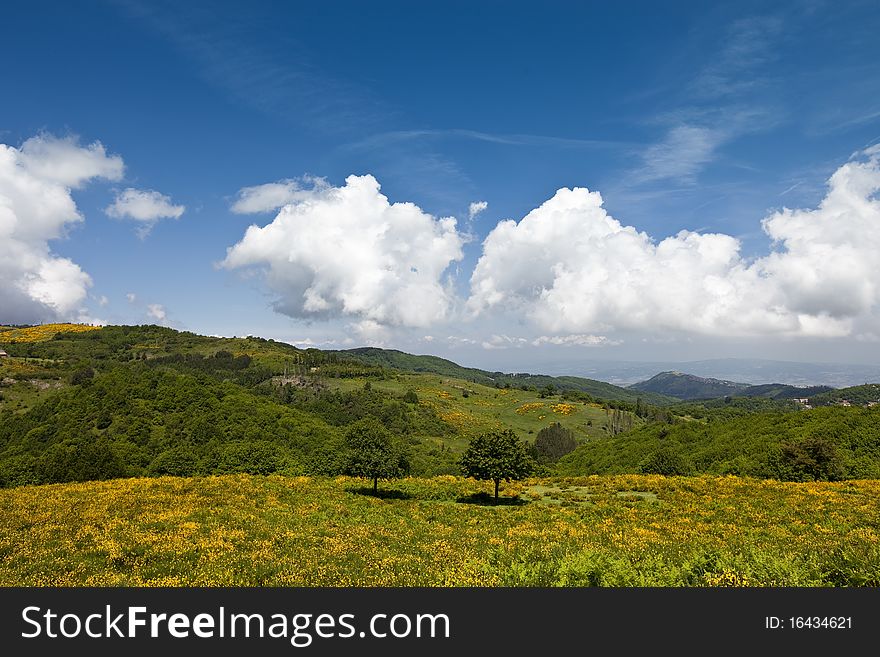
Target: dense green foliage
x=857, y=395
x=820, y=444
x=147, y=400
x=495, y=457
x=372, y=452
x=137, y=420
x=727, y=408
x=552, y=443
x=342, y=408
x=783, y=391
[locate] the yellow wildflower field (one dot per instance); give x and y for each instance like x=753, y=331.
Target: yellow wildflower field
x=627, y=530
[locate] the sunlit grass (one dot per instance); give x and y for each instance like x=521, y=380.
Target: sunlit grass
x=491, y=409
x=620, y=531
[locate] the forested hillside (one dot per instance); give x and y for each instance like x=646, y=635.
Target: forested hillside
x=691, y=387
x=82, y=403
x=805, y=445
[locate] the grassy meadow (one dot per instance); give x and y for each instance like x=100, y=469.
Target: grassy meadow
x=473, y=408
x=627, y=530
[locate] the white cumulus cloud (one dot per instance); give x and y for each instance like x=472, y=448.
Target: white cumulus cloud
x=476, y=208
x=271, y=196
x=573, y=268
x=348, y=251
x=145, y=206
x=503, y=342
x=64, y=161
x=571, y=340
x=157, y=311
x=36, y=207
x=575, y=340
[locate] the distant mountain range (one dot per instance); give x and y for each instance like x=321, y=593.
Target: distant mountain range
x=743, y=370
x=690, y=386
x=667, y=387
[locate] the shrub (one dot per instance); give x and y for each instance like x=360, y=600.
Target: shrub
x=83, y=460
x=552, y=443
x=82, y=376
x=665, y=461
x=808, y=459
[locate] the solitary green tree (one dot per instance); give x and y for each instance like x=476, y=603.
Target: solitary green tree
x=496, y=456
x=372, y=452
x=552, y=443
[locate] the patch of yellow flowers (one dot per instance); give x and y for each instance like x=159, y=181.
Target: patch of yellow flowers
x=457, y=419
x=240, y=530
x=530, y=406
x=42, y=333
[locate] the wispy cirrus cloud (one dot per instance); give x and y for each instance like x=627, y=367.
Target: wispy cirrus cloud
x=719, y=105
x=383, y=139
x=680, y=155
x=277, y=76
x=737, y=68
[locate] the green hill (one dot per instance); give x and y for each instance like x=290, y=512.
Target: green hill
x=824, y=443
x=89, y=403
x=688, y=386
x=692, y=387
x=141, y=419
x=407, y=362
x=473, y=408
x=783, y=391
x=146, y=400
x=856, y=395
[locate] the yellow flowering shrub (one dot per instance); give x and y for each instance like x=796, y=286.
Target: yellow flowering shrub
x=529, y=406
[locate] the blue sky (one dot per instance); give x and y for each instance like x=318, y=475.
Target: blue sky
x=705, y=117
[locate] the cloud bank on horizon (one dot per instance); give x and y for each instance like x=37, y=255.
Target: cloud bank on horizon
x=571, y=267
x=579, y=276
x=574, y=270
